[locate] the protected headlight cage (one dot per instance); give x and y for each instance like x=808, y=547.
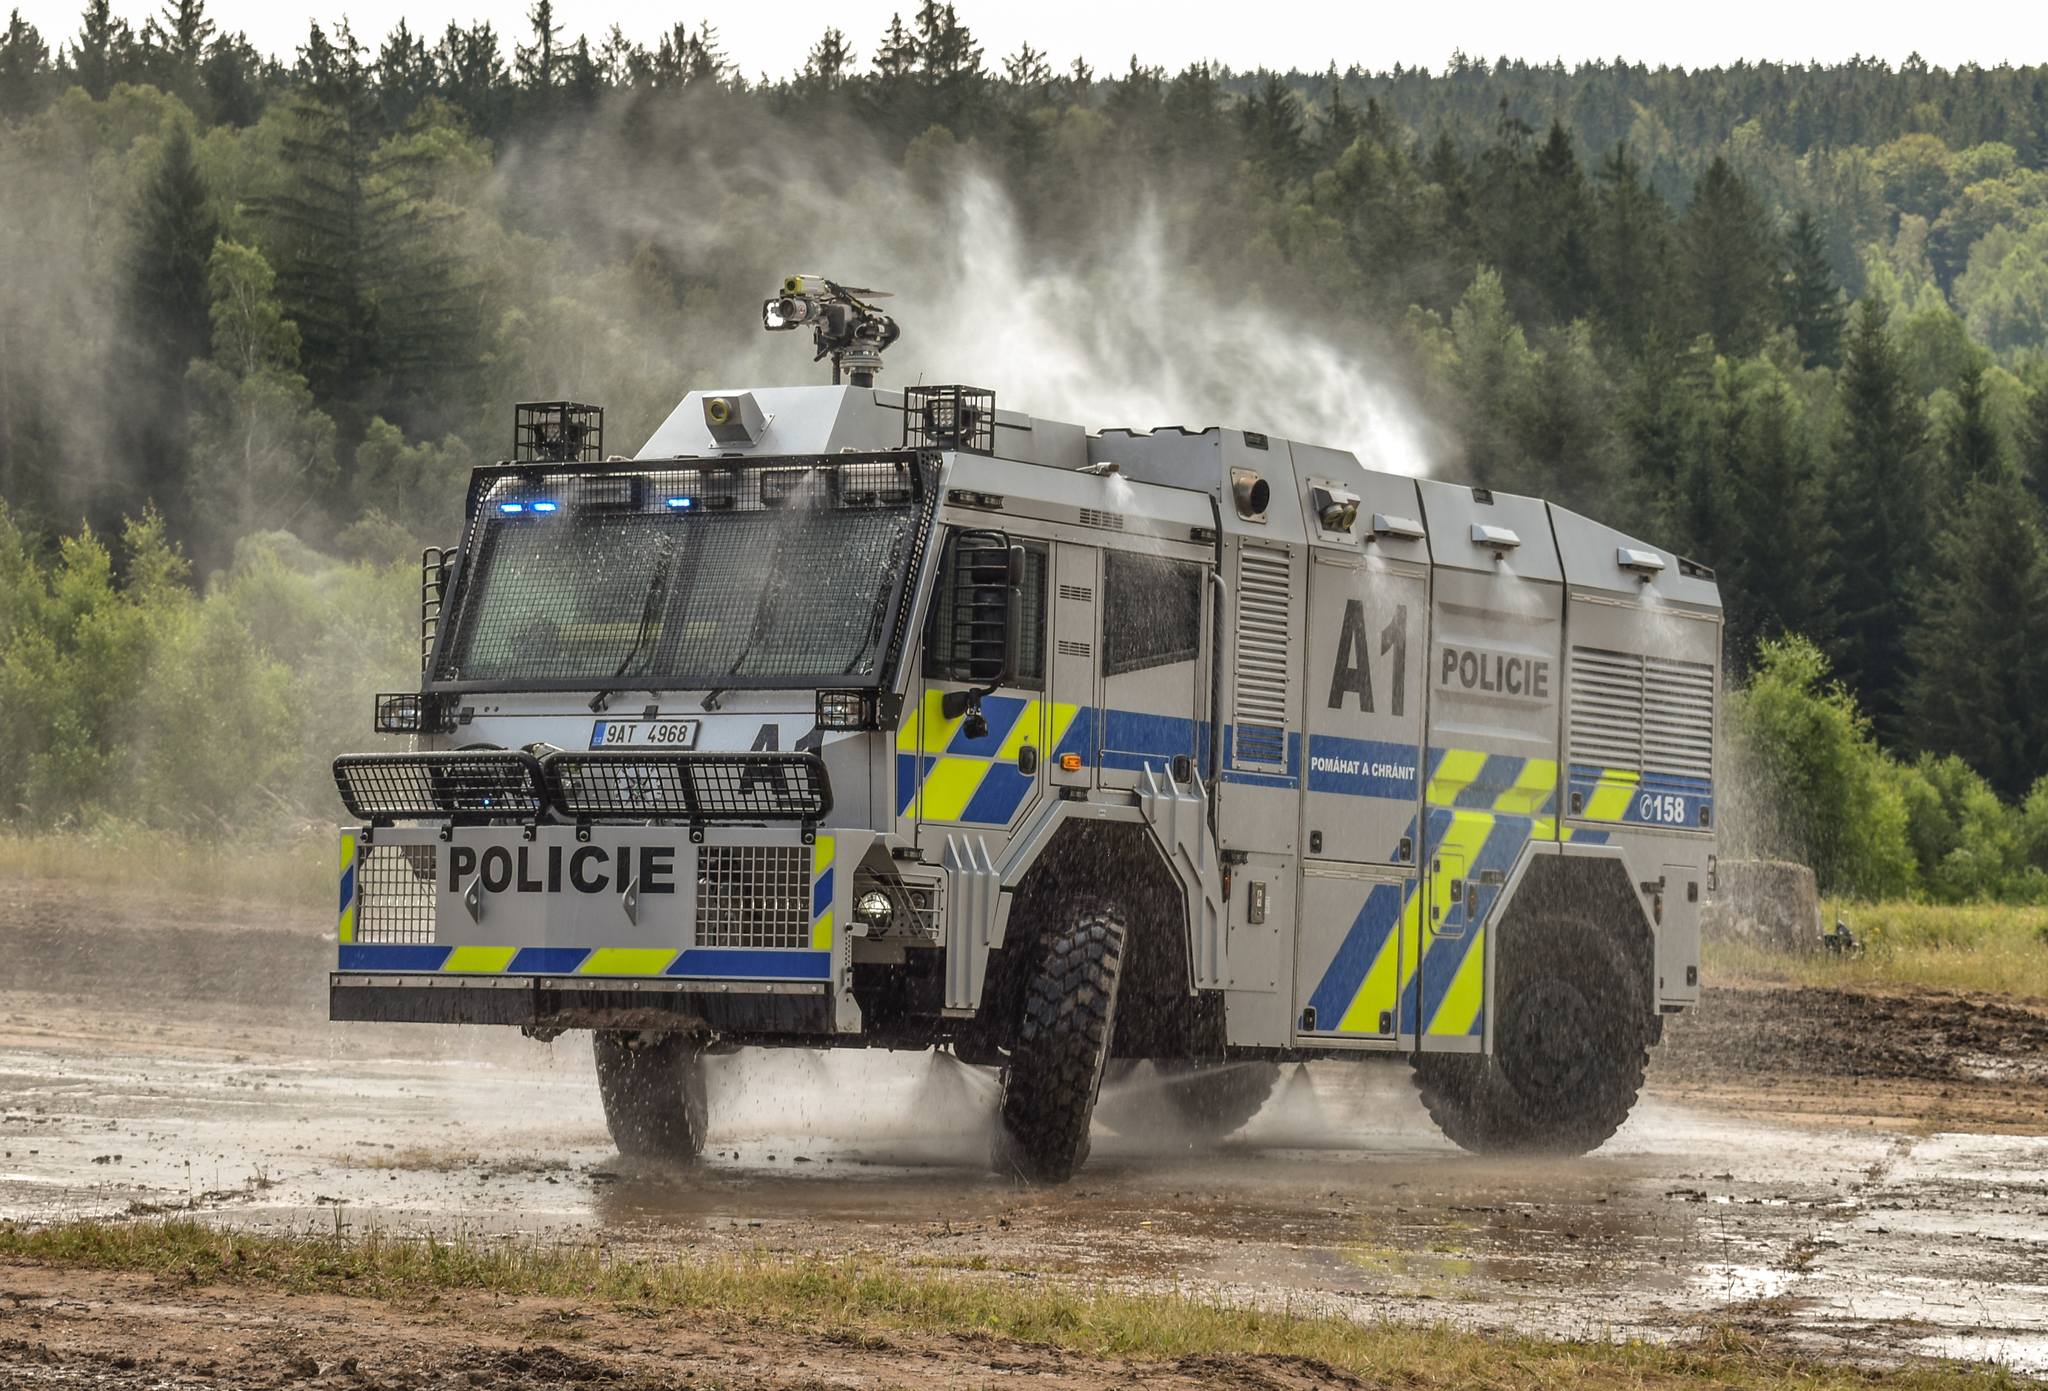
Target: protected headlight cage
x=470, y=786
x=689, y=786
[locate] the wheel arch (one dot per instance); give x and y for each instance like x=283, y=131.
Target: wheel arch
x=1585, y=881
x=1115, y=859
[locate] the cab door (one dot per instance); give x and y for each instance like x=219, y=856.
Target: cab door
x=954, y=770
x=1361, y=796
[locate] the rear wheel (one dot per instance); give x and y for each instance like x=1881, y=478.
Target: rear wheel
x=653, y=1093
x=1571, y=1037
x=1055, y=1067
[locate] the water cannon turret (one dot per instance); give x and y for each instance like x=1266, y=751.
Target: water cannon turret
x=844, y=326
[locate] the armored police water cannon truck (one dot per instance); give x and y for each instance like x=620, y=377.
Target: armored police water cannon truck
x=844, y=716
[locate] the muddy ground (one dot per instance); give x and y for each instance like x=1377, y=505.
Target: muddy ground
x=1844, y=1174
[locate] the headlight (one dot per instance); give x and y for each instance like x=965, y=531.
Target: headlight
x=398, y=713
x=873, y=908
x=846, y=710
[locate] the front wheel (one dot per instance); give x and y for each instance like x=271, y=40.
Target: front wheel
x=653, y=1094
x=1055, y=1067
x=1571, y=1037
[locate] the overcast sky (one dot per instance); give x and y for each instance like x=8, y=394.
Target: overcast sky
x=772, y=37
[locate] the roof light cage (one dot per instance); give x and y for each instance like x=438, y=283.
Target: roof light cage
x=557, y=432
x=950, y=417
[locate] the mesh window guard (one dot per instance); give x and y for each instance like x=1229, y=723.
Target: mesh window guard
x=767, y=573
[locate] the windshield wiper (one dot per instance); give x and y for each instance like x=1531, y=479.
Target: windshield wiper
x=650, y=616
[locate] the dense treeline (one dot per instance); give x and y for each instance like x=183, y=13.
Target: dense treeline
x=1792, y=321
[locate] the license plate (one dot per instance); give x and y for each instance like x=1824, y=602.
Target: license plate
x=643, y=734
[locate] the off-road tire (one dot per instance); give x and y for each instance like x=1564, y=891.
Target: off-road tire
x=1571, y=1043
x=1055, y=1067
x=653, y=1093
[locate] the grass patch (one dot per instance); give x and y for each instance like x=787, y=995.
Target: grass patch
x=840, y=1298
x=1983, y=947
x=296, y=872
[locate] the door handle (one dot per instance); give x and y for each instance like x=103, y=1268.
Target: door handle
x=1027, y=760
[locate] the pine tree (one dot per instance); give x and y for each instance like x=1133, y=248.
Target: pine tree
x=1773, y=519
x=830, y=61
x=1340, y=127
x=1563, y=267
x=167, y=301
x=1971, y=448
x=470, y=73
x=1980, y=645
x=1027, y=69
x=232, y=79
x=1631, y=250
x=359, y=270
x=2033, y=441
x=1877, y=517
x=103, y=50
x=1731, y=261
x=1813, y=302
x=405, y=75
x=24, y=67
x=537, y=64
x=1275, y=131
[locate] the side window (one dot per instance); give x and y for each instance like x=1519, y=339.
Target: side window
x=1030, y=672
x=1152, y=612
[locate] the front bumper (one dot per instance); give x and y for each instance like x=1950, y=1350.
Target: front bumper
x=759, y=1010
x=535, y=925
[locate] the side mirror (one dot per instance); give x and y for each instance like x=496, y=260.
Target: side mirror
x=975, y=625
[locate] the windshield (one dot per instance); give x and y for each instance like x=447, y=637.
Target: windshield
x=771, y=574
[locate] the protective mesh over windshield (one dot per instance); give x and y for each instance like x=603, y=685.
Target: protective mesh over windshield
x=779, y=573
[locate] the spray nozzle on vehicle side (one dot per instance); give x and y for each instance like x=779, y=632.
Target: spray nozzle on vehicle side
x=844, y=326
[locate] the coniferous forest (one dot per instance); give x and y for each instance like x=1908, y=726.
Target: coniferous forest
x=260, y=312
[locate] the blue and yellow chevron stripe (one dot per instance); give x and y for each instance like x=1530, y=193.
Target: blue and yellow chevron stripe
x=1479, y=810
x=345, y=930
x=716, y=963
x=1640, y=799
x=782, y=963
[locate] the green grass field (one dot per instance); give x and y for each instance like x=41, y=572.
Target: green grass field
x=299, y=871
x=839, y=1296
x=1985, y=947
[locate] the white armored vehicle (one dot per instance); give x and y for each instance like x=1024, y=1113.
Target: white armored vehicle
x=840, y=716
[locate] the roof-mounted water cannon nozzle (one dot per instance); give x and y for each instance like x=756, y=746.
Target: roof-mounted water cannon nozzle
x=1108, y=468
x=844, y=326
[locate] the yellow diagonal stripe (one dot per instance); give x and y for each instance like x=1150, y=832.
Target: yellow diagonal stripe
x=627, y=961
x=950, y=786
x=821, y=931
x=1378, y=990
x=1025, y=731
x=1458, y=770
x=1532, y=789
x=482, y=960
x=345, y=930
x=1609, y=801
x=1459, y=1008
x=822, y=851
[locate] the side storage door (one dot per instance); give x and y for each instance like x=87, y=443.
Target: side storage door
x=1494, y=673
x=1362, y=791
